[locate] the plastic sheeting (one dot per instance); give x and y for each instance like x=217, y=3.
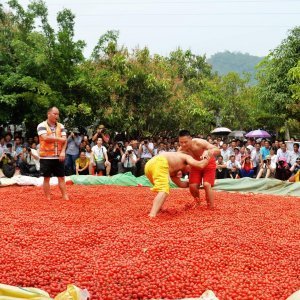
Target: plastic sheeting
x=246, y=185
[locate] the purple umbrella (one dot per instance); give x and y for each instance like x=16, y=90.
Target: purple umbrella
x=258, y=134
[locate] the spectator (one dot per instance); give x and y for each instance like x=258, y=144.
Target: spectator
x=225, y=152
x=221, y=170
x=82, y=164
x=233, y=167
x=295, y=170
x=255, y=157
x=294, y=154
x=100, y=158
x=129, y=161
x=72, y=152
x=114, y=155
x=282, y=170
x=145, y=153
x=160, y=149
x=238, y=156
x=36, y=141
x=101, y=133
x=88, y=151
x=30, y=161
x=283, y=153
x=264, y=150
x=247, y=168
x=7, y=161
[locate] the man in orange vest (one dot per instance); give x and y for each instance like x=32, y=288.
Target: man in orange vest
x=53, y=144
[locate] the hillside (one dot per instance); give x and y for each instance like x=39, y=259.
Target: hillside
x=224, y=62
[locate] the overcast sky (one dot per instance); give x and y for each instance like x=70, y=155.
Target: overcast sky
x=204, y=26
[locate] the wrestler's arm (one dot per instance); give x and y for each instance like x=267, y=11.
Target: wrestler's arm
x=211, y=150
x=196, y=163
x=179, y=182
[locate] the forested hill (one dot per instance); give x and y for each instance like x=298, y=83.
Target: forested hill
x=224, y=62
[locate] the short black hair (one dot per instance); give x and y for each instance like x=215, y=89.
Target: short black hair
x=184, y=132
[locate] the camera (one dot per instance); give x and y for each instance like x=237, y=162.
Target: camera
x=129, y=151
x=28, y=149
x=120, y=145
x=8, y=155
x=145, y=142
x=103, y=130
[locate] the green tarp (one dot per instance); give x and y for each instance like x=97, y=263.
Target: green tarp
x=246, y=185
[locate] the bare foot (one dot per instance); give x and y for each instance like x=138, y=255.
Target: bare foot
x=66, y=197
x=48, y=197
x=151, y=216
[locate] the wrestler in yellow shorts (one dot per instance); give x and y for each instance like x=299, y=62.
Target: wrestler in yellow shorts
x=157, y=171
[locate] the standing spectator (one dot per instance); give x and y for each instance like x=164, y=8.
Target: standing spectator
x=145, y=152
x=294, y=154
x=115, y=156
x=82, y=164
x=101, y=133
x=129, y=160
x=283, y=153
x=100, y=158
x=73, y=147
x=264, y=150
x=237, y=153
x=53, y=144
x=255, y=157
x=225, y=152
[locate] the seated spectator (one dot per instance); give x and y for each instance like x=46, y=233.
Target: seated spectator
x=221, y=170
x=295, y=170
x=129, y=161
x=7, y=161
x=233, y=167
x=247, y=168
x=88, y=151
x=283, y=169
x=30, y=161
x=82, y=164
x=267, y=169
x=100, y=159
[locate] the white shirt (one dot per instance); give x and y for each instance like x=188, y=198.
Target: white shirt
x=285, y=154
x=99, y=152
x=145, y=152
x=293, y=156
x=225, y=154
x=231, y=164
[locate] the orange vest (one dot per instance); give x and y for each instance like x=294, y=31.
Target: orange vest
x=52, y=149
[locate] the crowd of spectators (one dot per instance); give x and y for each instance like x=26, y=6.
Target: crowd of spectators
x=102, y=155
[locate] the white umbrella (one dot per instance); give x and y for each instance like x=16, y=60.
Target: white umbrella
x=221, y=131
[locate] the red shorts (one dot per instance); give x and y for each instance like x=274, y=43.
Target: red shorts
x=208, y=174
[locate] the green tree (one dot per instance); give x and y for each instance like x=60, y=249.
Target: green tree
x=274, y=84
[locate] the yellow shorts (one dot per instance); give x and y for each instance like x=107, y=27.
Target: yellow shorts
x=157, y=171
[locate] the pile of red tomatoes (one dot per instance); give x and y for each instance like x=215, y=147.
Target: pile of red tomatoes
x=103, y=240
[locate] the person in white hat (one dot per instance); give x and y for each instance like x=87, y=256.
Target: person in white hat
x=128, y=160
